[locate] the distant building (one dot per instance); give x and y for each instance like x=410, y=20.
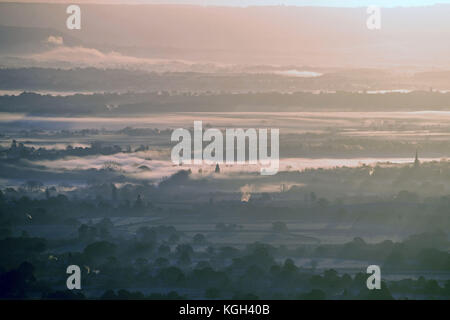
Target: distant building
x=416, y=160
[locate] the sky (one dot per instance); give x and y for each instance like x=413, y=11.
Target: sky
x=332, y=3
x=140, y=35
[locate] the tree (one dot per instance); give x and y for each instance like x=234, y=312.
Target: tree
x=64, y=295
x=15, y=283
x=212, y=293
x=184, y=252
x=138, y=205
x=171, y=276
x=314, y=294
x=113, y=193
x=279, y=226
x=146, y=234
x=382, y=294
x=199, y=239
x=100, y=249
x=33, y=185
x=87, y=233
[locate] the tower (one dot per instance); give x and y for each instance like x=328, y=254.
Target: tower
x=416, y=160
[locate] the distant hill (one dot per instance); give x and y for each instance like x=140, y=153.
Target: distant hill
x=156, y=102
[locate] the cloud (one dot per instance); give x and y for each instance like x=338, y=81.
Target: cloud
x=79, y=56
x=55, y=40
x=87, y=56
x=128, y=164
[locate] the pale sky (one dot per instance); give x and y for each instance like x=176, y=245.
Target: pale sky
x=332, y=3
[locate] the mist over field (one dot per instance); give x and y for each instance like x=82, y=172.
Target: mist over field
x=87, y=176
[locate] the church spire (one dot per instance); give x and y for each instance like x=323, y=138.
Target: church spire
x=416, y=160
